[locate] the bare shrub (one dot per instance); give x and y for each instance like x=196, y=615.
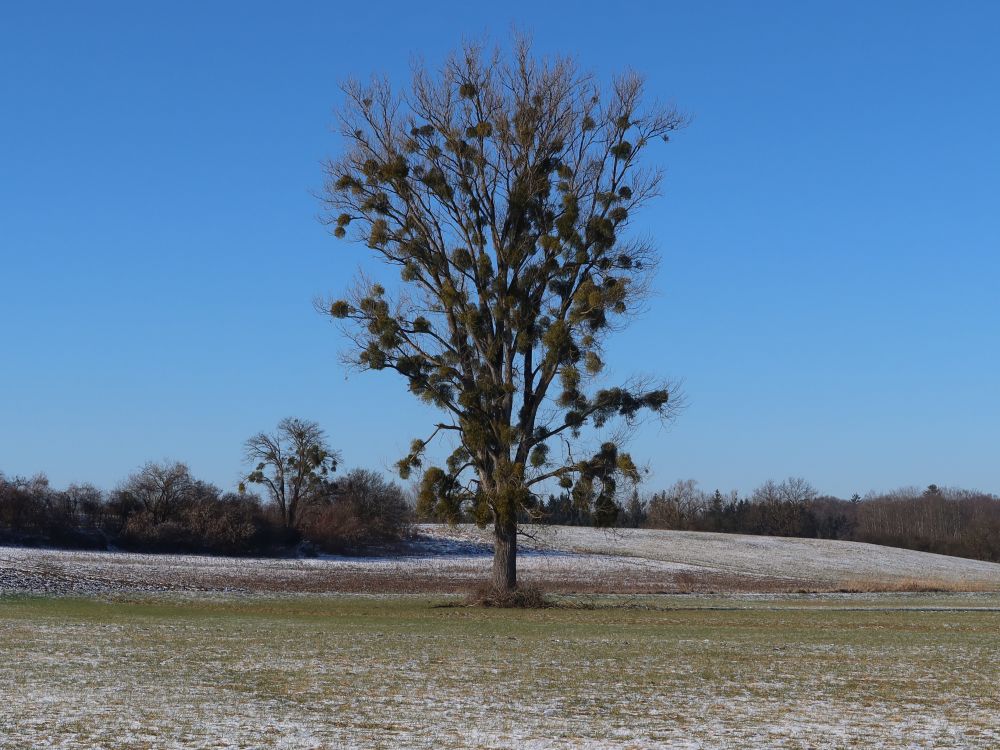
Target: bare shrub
x=160, y=489
x=910, y=585
x=23, y=505
x=231, y=524
x=522, y=597
x=362, y=509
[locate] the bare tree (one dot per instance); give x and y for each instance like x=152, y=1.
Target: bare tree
x=678, y=506
x=293, y=464
x=160, y=489
x=503, y=190
x=783, y=506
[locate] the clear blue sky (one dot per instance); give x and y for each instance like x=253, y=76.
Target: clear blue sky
x=830, y=232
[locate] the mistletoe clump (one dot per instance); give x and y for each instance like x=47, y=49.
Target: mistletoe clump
x=502, y=190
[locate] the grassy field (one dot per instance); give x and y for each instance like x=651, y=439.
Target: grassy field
x=889, y=671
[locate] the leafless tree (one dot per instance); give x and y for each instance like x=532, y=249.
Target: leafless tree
x=293, y=464
x=160, y=489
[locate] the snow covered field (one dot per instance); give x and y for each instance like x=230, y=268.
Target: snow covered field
x=891, y=672
x=117, y=651
x=448, y=559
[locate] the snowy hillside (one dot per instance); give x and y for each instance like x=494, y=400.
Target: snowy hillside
x=444, y=558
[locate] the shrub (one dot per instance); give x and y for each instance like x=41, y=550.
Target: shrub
x=522, y=597
x=360, y=510
x=232, y=524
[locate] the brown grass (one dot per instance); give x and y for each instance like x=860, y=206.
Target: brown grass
x=905, y=585
x=523, y=597
x=54, y=576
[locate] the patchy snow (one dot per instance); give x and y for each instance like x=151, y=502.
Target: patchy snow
x=816, y=560
x=786, y=557
x=723, y=673
x=453, y=678
x=448, y=558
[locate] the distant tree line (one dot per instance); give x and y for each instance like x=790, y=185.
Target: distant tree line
x=943, y=520
x=163, y=508
x=305, y=508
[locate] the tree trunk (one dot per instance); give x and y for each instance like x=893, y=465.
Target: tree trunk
x=505, y=557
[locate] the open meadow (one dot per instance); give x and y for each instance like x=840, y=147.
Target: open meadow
x=481, y=376
x=115, y=650
x=306, y=671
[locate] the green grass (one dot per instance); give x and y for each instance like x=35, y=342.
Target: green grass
x=327, y=672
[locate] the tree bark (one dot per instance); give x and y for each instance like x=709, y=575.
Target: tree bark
x=505, y=557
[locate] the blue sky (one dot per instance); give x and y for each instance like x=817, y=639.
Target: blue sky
x=830, y=232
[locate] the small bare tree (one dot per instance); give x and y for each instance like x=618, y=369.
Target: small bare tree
x=677, y=507
x=293, y=464
x=160, y=489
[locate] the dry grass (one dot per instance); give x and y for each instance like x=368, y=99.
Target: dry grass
x=522, y=597
x=568, y=560
x=317, y=673
x=908, y=585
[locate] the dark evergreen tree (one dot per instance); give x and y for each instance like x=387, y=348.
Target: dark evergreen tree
x=635, y=511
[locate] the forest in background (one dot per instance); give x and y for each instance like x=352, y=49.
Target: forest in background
x=944, y=520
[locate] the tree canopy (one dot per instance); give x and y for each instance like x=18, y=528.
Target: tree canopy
x=502, y=188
